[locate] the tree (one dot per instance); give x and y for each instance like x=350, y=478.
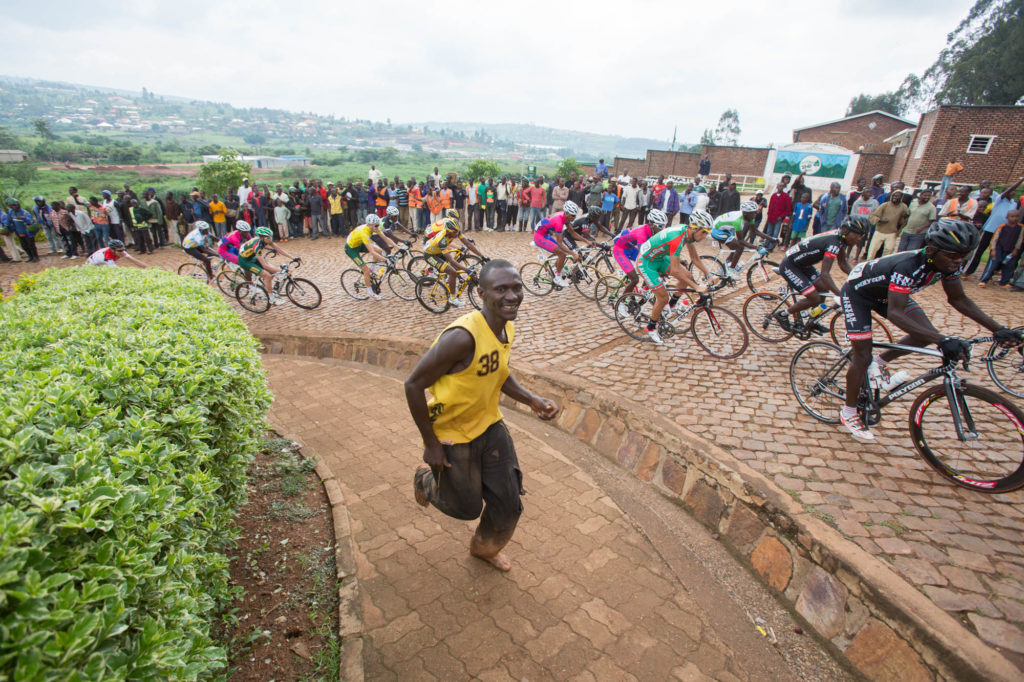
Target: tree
x=567, y=167
x=706, y=137
x=43, y=129
x=483, y=168
x=862, y=103
x=728, y=129
x=8, y=140
x=254, y=139
x=217, y=176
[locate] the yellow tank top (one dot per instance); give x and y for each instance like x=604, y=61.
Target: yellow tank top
x=465, y=404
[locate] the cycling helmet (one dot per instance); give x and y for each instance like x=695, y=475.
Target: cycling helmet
x=243, y=226
x=952, y=236
x=749, y=207
x=451, y=225
x=264, y=232
x=595, y=212
x=657, y=217
x=858, y=224
x=372, y=219
x=571, y=208
x=701, y=220
x=202, y=225
x=452, y=213
x=115, y=244
x=392, y=211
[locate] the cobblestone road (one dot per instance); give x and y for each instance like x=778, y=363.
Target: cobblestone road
x=964, y=550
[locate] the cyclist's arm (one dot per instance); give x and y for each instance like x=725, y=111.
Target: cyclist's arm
x=277, y=247
x=386, y=240
x=826, y=274
x=576, y=235
x=843, y=258
x=375, y=250
x=757, y=233
x=402, y=228
x=965, y=306
x=470, y=245
x=447, y=255
x=134, y=261
x=691, y=248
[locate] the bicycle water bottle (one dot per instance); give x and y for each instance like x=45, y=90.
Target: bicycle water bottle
x=818, y=310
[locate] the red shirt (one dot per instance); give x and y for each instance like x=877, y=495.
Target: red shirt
x=779, y=206
x=538, y=197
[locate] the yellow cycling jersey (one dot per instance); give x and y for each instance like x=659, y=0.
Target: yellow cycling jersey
x=465, y=404
x=359, y=237
x=437, y=244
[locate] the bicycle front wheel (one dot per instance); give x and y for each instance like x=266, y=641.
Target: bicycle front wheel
x=759, y=314
x=253, y=297
x=472, y=294
x=354, y=285
x=719, y=331
x=585, y=279
x=716, y=279
x=228, y=280
x=432, y=294
x=1006, y=367
x=990, y=457
x=303, y=293
x=606, y=293
x=633, y=312
x=420, y=267
x=402, y=284
x=538, y=277
x=837, y=328
x=817, y=375
x=763, y=276
x=194, y=271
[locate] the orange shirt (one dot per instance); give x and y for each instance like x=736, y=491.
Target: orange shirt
x=953, y=168
x=434, y=204
x=446, y=198
x=415, y=198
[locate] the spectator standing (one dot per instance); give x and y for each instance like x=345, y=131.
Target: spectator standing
x=336, y=211
x=41, y=213
x=888, y=219
x=1001, y=206
x=962, y=207
x=374, y=175
x=471, y=204
x=730, y=200
x=116, y=231
x=802, y=214
x=245, y=193
x=780, y=206
x=704, y=167
x=298, y=214
x=1007, y=239
x=601, y=169
x=100, y=222
x=865, y=204
x=19, y=222
x=502, y=196
x=156, y=220
x=402, y=197
x=856, y=192
x=434, y=205
x=644, y=199
x=83, y=223
x=282, y=218
x=172, y=215
x=877, y=185
x=629, y=203
x=489, y=203
x=512, y=216
x=352, y=203
x=140, y=221
x=76, y=199
x=952, y=168
x=724, y=185
x=609, y=201
x=67, y=229
x=523, y=199
x=559, y=195
x=459, y=199
x=317, y=219
x=831, y=208
x=577, y=194
x=416, y=205
x=219, y=214
x=595, y=190
x=232, y=204
x=481, y=203
x=669, y=202
x=538, y=197
x=714, y=202
x=922, y=214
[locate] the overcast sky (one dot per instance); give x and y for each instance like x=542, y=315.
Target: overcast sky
x=635, y=68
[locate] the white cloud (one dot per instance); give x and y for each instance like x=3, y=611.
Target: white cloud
x=635, y=69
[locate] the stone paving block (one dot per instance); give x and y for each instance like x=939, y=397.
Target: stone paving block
x=998, y=633
x=706, y=503
x=773, y=561
x=673, y=474
x=823, y=602
x=882, y=655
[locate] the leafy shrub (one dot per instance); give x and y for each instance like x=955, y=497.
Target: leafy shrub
x=130, y=404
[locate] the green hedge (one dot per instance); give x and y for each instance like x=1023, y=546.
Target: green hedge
x=130, y=405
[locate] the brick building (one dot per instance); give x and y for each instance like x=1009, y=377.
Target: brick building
x=735, y=160
x=987, y=140
x=860, y=133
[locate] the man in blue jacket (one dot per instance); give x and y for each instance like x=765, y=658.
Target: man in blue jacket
x=832, y=208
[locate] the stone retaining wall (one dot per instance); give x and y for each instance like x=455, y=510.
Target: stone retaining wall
x=884, y=627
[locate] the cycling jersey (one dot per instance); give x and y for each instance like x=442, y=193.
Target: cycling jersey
x=733, y=220
x=250, y=250
x=626, y=246
x=104, y=257
x=359, y=237
x=666, y=244
x=812, y=250
x=554, y=223
x=432, y=230
x=194, y=239
x=906, y=272
x=437, y=244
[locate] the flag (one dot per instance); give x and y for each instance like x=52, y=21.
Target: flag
x=672, y=146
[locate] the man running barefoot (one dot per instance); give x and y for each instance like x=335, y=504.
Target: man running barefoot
x=471, y=463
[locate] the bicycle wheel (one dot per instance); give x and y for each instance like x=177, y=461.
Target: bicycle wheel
x=354, y=285
x=432, y=294
x=303, y=293
x=228, y=281
x=991, y=457
x=716, y=280
x=605, y=265
x=253, y=297
x=762, y=276
x=194, y=271
x=584, y=279
x=633, y=315
x=606, y=293
x=473, y=295
x=471, y=261
x=1006, y=367
x=538, y=277
x=402, y=284
x=817, y=375
x=719, y=331
x=837, y=328
x=759, y=314
x=419, y=267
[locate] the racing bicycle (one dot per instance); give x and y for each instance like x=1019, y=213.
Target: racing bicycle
x=400, y=281
x=253, y=295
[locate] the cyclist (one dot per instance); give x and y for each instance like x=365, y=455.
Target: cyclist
x=437, y=250
x=196, y=244
x=884, y=286
x=589, y=224
x=659, y=256
x=548, y=235
x=631, y=240
x=113, y=252
x=441, y=226
x=388, y=226
x=360, y=241
x=251, y=260
x=729, y=228
x=798, y=269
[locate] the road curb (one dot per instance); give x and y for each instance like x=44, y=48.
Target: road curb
x=883, y=626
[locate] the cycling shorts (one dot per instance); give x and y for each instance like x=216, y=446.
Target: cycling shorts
x=857, y=311
x=651, y=269
x=247, y=265
x=200, y=253
x=356, y=254
x=802, y=279
x=437, y=262
x=230, y=255
x=623, y=261
x=545, y=242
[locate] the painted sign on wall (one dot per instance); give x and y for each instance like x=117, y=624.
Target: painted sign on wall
x=812, y=164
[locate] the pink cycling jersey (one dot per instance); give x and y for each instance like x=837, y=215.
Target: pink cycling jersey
x=229, y=245
x=554, y=223
x=626, y=241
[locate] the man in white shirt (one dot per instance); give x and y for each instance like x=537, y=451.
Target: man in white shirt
x=374, y=174
x=624, y=178
x=471, y=204
x=630, y=203
x=244, y=192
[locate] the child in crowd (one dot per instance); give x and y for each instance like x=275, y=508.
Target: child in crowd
x=802, y=214
x=1007, y=239
x=281, y=217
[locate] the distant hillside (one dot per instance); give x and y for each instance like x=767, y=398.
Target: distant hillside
x=80, y=110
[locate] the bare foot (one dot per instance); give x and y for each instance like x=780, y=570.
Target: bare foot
x=499, y=561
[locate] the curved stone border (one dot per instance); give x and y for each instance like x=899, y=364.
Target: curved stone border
x=884, y=627
x=350, y=613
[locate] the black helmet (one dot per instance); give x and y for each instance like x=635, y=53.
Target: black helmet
x=858, y=224
x=952, y=236
x=595, y=212
x=115, y=244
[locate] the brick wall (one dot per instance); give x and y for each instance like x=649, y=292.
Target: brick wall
x=635, y=168
x=870, y=164
x=854, y=133
x=925, y=128
x=949, y=135
x=737, y=160
x=588, y=169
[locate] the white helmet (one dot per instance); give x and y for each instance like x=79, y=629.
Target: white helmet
x=392, y=211
x=657, y=217
x=202, y=225
x=243, y=226
x=702, y=219
x=372, y=219
x=571, y=208
x=749, y=207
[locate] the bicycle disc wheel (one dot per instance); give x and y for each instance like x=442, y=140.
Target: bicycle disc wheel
x=817, y=375
x=194, y=271
x=719, y=331
x=402, y=284
x=537, y=278
x=759, y=314
x=253, y=297
x=354, y=285
x=303, y=293
x=637, y=315
x=432, y=295
x=762, y=276
x=837, y=328
x=585, y=279
x=991, y=458
x=606, y=293
x=1006, y=367
x=716, y=280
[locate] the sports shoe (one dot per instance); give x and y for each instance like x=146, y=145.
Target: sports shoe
x=559, y=282
x=74, y=257
x=854, y=424
x=457, y=302
x=65, y=257
x=782, y=318
x=655, y=336
x=623, y=310
x=375, y=296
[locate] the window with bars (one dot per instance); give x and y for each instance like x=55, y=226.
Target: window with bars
x=980, y=144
